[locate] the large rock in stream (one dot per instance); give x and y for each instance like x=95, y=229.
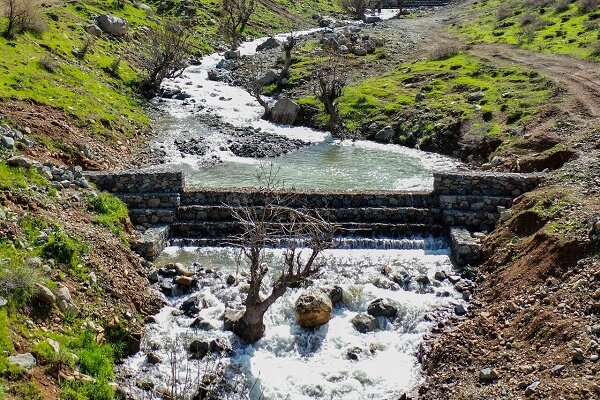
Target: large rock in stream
x=285, y=111
x=313, y=308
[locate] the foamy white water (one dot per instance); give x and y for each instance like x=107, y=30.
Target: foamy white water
x=327, y=164
x=290, y=362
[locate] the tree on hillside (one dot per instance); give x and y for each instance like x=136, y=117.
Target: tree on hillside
x=164, y=54
x=22, y=15
x=290, y=42
x=330, y=82
x=258, y=78
x=357, y=8
x=274, y=219
x=236, y=14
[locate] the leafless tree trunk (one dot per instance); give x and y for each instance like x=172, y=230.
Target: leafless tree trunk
x=288, y=46
x=357, y=8
x=255, y=85
x=330, y=84
x=261, y=226
x=164, y=55
x=237, y=13
x=22, y=15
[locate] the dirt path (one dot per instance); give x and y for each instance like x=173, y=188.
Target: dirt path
x=580, y=78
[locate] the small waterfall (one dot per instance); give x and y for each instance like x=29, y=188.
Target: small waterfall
x=342, y=243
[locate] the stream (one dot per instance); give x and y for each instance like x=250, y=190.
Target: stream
x=334, y=361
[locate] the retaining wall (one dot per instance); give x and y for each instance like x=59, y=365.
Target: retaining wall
x=459, y=199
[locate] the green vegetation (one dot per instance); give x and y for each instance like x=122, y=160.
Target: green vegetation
x=64, y=249
x=14, y=177
x=112, y=211
x=549, y=26
x=420, y=98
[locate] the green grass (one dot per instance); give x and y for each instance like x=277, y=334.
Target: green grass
x=112, y=212
x=510, y=96
x=552, y=26
x=65, y=249
x=14, y=177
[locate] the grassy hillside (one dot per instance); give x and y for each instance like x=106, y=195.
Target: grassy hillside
x=98, y=92
x=549, y=26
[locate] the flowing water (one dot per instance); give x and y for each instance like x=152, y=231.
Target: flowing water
x=291, y=362
x=326, y=164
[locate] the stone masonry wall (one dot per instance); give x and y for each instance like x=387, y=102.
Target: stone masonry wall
x=470, y=200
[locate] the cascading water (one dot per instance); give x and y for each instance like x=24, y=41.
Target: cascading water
x=327, y=164
x=334, y=361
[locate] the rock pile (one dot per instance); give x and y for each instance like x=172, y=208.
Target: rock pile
x=61, y=177
x=10, y=138
x=349, y=40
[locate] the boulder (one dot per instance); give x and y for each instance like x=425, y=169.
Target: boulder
x=7, y=142
x=45, y=295
x=232, y=54
x=488, y=375
x=226, y=64
x=382, y=308
x=371, y=19
x=269, y=77
x=113, y=25
x=313, y=308
x=385, y=135
x=22, y=162
x=219, y=75
x=25, y=361
x=364, y=323
x=65, y=302
x=336, y=294
x=285, y=111
x=201, y=324
x=270, y=43
x=359, y=51
x=230, y=318
x=54, y=344
x=183, y=280
x=3, y=301
x=94, y=30
x=200, y=348
x=475, y=96
x=153, y=358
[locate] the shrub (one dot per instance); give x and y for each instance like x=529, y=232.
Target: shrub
x=562, y=5
x=94, y=359
x=112, y=211
x=80, y=390
x=64, y=249
x=586, y=6
x=17, y=282
x=445, y=51
x=505, y=11
x=23, y=15
x=595, y=49
x=49, y=63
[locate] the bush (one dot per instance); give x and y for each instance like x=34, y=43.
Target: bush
x=94, y=359
x=113, y=212
x=64, y=249
x=595, y=49
x=586, y=6
x=444, y=51
x=505, y=11
x=562, y=5
x=80, y=390
x=49, y=63
x=17, y=283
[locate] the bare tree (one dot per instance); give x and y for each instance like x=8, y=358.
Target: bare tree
x=255, y=84
x=330, y=84
x=356, y=8
x=261, y=226
x=22, y=15
x=236, y=14
x=165, y=54
x=289, y=44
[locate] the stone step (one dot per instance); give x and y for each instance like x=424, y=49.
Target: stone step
x=373, y=215
x=152, y=216
x=365, y=230
x=474, y=203
x=472, y=220
x=150, y=200
x=308, y=199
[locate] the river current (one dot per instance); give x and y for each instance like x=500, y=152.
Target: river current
x=335, y=361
